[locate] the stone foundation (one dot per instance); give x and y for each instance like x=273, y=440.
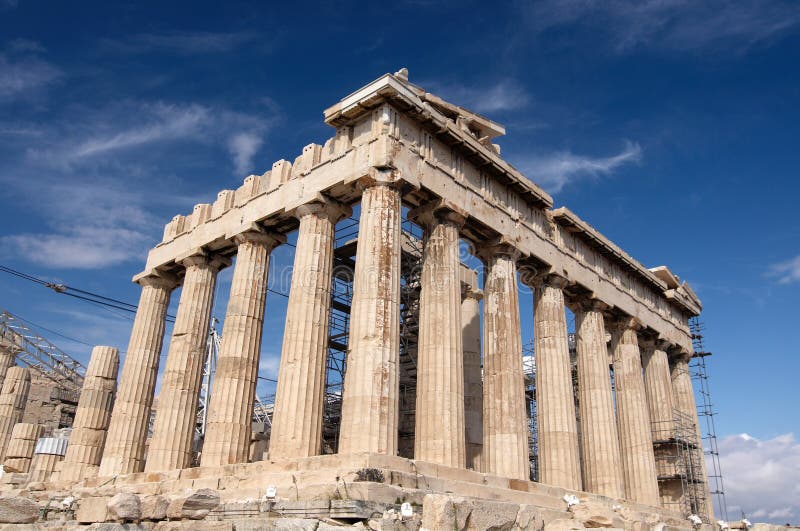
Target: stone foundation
x=327, y=491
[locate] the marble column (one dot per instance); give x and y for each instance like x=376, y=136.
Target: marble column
x=176, y=415
x=21, y=446
x=439, y=435
x=633, y=418
x=473, y=378
x=230, y=412
x=559, y=461
x=127, y=432
x=602, y=463
x=92, y=416
x=8, y=356
x=13, y=399
x=505, y=421
x=683, y=396
x=300, y=396
x=370, y=398
x=658, y=388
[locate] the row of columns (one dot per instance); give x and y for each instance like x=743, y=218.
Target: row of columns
x=614, y=455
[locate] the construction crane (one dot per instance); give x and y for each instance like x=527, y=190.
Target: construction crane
x=38, y=353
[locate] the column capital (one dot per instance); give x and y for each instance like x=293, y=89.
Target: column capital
x=438, y=210
x=497, y=247
x=158, y=279
x=552, y=280
x=383, y=177
x=653, y=343
x=470, y=293
x=323, y=207
x=586, y=303
x=623, y=323
x=677, y=354
x=201, y=257
x=259, y=235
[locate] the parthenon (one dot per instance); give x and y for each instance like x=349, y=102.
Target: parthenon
x=610, y=403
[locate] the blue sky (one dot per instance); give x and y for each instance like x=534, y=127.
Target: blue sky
x=669, y=126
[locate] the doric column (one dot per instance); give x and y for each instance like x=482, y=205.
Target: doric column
x=300, y=396
x=683, y=396
x=13, y=398
x=633, y=419
x=92, y=416
x=505, y=422
x=20, y=447
x=658, y=387
x=370, y=398
x=127, y=432
x=602, y=464
x=230, y=412
x=473, y=378
x=8, y=356
x=176, y=415
x=559, y=462
x=439, y=435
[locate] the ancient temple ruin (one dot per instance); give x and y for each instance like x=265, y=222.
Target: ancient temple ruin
x=398, y=152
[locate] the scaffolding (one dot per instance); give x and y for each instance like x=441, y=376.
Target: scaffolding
x=706, y=413
x=679, y=465
x=38, y=353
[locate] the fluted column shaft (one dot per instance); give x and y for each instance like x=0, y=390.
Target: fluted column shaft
x=230, y=412
x=92, y=416
x=602, y=464
x=439, y=432
x=127, y=432
x=370, y=398
x=176, y=415
x=559, y=462
x=683, y=396
x=21, y=446
x=13, y=398
x=473, y=378
x=505, y=426
x=658, y=388
x=300, y=395
x=633, y=418
x=8, y=358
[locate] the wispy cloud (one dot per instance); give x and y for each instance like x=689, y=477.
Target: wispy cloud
x=243, y=146
x=96, y=178
x=182, y=43
x=554, y=171
x=762, y=477
x=19, y=76
x=129, y=126
x=94, y=225
x=672, y=24
x=505, y=95
x=786, y=272
x=8, y=4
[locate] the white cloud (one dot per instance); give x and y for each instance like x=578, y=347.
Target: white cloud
x=269, y=364
x=108, y=133
x=786, y=272
x=243, y=147
x=505, y=95
x=96, y=177
x=94, y=226
x=671, y=24
x=553, y=171
x=20, y=76
x=762, y=477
